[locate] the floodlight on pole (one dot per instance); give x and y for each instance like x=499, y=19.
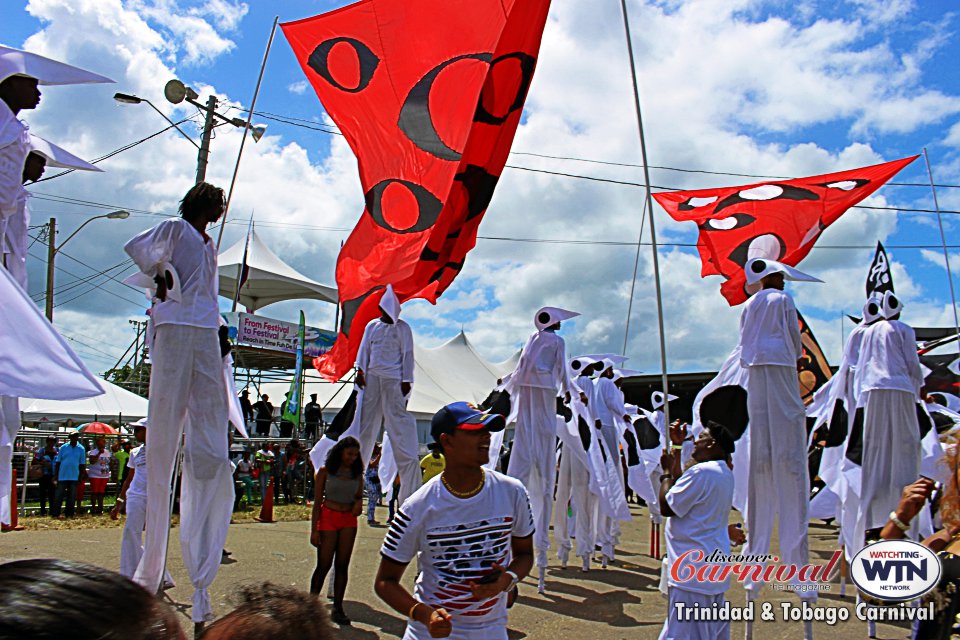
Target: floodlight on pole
x=52, y=250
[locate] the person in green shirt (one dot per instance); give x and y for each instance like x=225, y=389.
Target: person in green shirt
x=433, y=463
x=122, y=455
x=265, y=461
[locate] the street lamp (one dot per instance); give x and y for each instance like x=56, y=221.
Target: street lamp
x=52, y=249
x=176, y=92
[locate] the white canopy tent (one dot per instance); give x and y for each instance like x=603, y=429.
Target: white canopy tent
x=269, y=279
x=451, y=372
x=115, y=403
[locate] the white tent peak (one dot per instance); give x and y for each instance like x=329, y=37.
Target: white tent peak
x=269, y=279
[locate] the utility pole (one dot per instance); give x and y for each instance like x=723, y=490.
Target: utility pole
x=51, y=254
x=208, y=124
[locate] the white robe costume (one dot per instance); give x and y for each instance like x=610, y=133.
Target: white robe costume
x=610, y=410
x=386, y=359
x=888, y=380
x=778, y=478
x=540, y=377
x=188, y=401
x=15, y=145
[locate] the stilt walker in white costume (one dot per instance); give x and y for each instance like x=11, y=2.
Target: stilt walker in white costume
x=541, y=375
x=612, y=413
x=188, y=398
x=385, y=376
x=889, y=380
x=21, y=73
x=779, y=482
x=652, y=469
x=576, y=478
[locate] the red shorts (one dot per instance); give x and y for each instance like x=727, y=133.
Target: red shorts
x=98, y=485
x=331, y=520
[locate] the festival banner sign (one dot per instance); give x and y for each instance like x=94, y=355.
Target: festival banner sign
x=277, y=335
x=428, y=94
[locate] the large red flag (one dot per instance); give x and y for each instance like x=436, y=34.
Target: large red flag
x=428, y=94
x=780, y=220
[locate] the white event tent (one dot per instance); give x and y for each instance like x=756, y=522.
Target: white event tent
x=115, y=403
x=451, y=372
x=269, y=279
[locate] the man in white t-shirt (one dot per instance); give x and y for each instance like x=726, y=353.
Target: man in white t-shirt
x=697, y=503
x=98, y=472
x=471, y=531
x=133, y=495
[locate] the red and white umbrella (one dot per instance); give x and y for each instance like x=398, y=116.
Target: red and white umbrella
x=98, y=428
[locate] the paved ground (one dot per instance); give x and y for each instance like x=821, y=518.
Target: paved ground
x=620, y=602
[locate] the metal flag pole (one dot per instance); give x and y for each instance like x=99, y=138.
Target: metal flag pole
x=246, y=129
x=633, y=282
x=943, y=240
x=649, y=207
x=243, y=264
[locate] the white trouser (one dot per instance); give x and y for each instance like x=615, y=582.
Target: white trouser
x=131, y=545
x=676, y=629
x=573, y=486
x=382, y=401
x=532, y=459
x=187, y=394
x=891, y=455
x=778, y=477
x=9, y=426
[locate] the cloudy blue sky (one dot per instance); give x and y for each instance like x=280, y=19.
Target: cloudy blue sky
x=738, y=86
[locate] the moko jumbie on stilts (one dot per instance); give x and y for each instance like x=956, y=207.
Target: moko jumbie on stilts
x=540, y=375
x=188, y=395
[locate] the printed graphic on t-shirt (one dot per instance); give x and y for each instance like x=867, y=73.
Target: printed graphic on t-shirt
x=459, y=555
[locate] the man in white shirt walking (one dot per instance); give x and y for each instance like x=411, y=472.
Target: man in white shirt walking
x=697, y=504
x=385, y=376
x=770, y=348
x=470, y=530
x=187, y=394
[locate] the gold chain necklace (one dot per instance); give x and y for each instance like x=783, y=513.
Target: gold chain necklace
x=465, y=494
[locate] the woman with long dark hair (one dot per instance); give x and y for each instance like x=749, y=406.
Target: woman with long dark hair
x=338, y=500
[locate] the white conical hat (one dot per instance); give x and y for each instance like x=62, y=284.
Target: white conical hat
x=625, y=373
x=607, y=364
x=390, y=304
x=58, y=156
x=15, y=62
x=578, y=364
x=656, y=399
x=549, y=316
x=891, y=305
x=872, y=309
x=759, y=268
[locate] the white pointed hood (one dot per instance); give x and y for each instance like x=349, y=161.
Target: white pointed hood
x=549, y=316
x=656, y=399
x=15, y=62
x=759, y=268
x=390, y=304
x=578, y=364
x=891, y=305
x=612, y=357
x=58, y=156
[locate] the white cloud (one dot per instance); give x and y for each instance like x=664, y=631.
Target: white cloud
x=936, y=257
x=726, y=85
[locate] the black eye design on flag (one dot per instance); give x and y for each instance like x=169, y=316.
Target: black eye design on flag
x=368, y=61
x=428, y=206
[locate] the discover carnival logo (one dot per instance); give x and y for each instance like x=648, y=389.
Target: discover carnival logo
x=895, y=570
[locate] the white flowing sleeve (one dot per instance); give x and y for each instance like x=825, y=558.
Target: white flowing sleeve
x=562, y=371
x=793, y=327
x=363, y=353
x=407, y=361
x=154, y=246
x=512, y=380
x=13, y=154
x=910, y=356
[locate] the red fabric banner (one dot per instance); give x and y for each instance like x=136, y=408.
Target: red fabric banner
x=428, y=94
x=779, y=220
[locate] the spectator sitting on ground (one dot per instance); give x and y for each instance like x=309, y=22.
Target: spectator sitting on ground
x=45, y=599
x=275, y=612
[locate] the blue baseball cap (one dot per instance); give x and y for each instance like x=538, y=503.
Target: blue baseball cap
x=466, y=417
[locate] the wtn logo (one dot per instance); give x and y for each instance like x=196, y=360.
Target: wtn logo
x=903, y=570
x=895, y=570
